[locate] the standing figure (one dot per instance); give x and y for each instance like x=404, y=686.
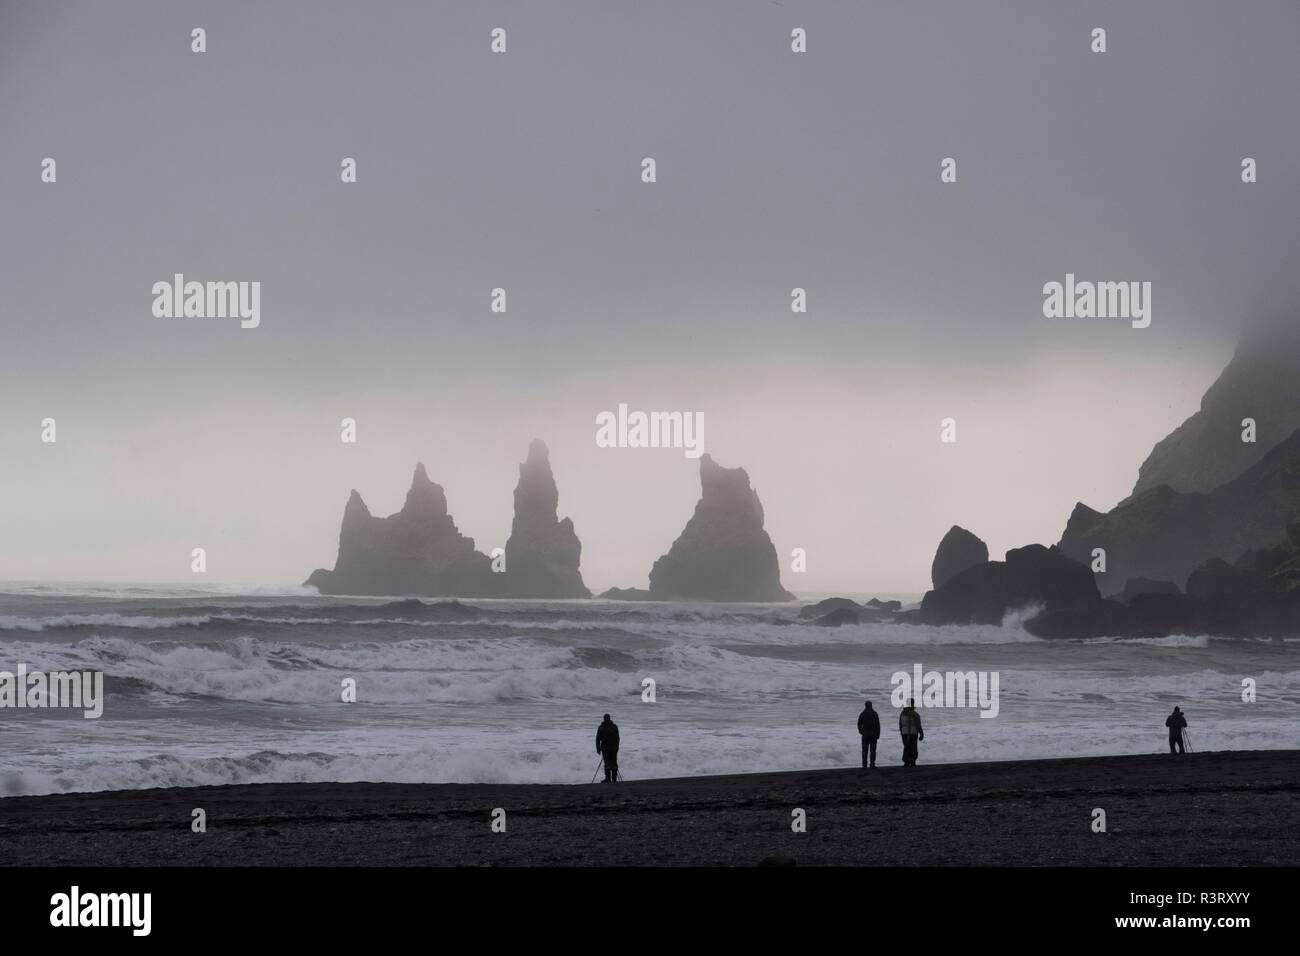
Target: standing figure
x=909, y=725
x=1176, y=722
x=869, y=728
x=607, y=747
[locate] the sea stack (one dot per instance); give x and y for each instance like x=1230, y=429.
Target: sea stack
x=958, y=551
x=723, y=553
x=417, y=551
x=543, y=553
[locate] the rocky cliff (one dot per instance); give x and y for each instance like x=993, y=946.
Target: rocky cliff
x=1257, y=596
x=417, y=551
x=1261, y=382
x=543, y=552
x=723, y=553
x=1165, y=534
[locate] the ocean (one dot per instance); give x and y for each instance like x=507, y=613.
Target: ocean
x=213, y=686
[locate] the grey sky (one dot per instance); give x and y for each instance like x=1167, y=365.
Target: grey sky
x=521, y=170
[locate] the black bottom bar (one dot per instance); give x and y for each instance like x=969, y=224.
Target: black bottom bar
x=914, y=905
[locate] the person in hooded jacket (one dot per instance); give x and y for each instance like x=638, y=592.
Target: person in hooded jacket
x=909, y=725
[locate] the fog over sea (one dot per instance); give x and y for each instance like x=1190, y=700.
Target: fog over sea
x=213, y=686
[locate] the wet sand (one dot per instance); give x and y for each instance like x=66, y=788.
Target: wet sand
x=1221, y=809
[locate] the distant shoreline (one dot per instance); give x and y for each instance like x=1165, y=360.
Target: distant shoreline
x=1221, y=808
x=237, y=589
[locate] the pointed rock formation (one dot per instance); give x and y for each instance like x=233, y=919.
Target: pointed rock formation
x=542, y=553
x=417, y=551
x=958, y=551
x=723, y=553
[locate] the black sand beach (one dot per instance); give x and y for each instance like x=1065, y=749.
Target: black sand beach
x=1203, y=809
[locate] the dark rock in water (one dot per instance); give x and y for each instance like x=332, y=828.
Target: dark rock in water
x=413, y=609
x=958, y=551
x=1036, y=573
x=1032, y=575
x=839, y=616
x=1262, y=381
x=1160, y=614
x=827, y=613
x=977, y=595
x=625, y=594
x=1259, y=596
x=1217, y=576
x=542, y=553
x=822, y=608
x=1147, y=615
x=1271, y=568
x=416, y=551
x=1267, y=572
x=1100, y=618
x=723, y=553
x=1135, y=586
x=1253, y=615
x=1166, y=535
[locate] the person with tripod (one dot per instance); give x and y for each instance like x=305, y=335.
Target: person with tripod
x=1176, y=723
x=607, y=747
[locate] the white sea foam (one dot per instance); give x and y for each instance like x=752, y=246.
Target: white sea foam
x=249, y=691
x=565, y=755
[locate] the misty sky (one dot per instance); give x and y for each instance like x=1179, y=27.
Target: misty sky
x=522, y=170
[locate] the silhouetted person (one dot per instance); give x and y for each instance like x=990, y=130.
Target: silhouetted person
x=607, y=747
x=869, y=728
x=1176, y=722
x=909, y=725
